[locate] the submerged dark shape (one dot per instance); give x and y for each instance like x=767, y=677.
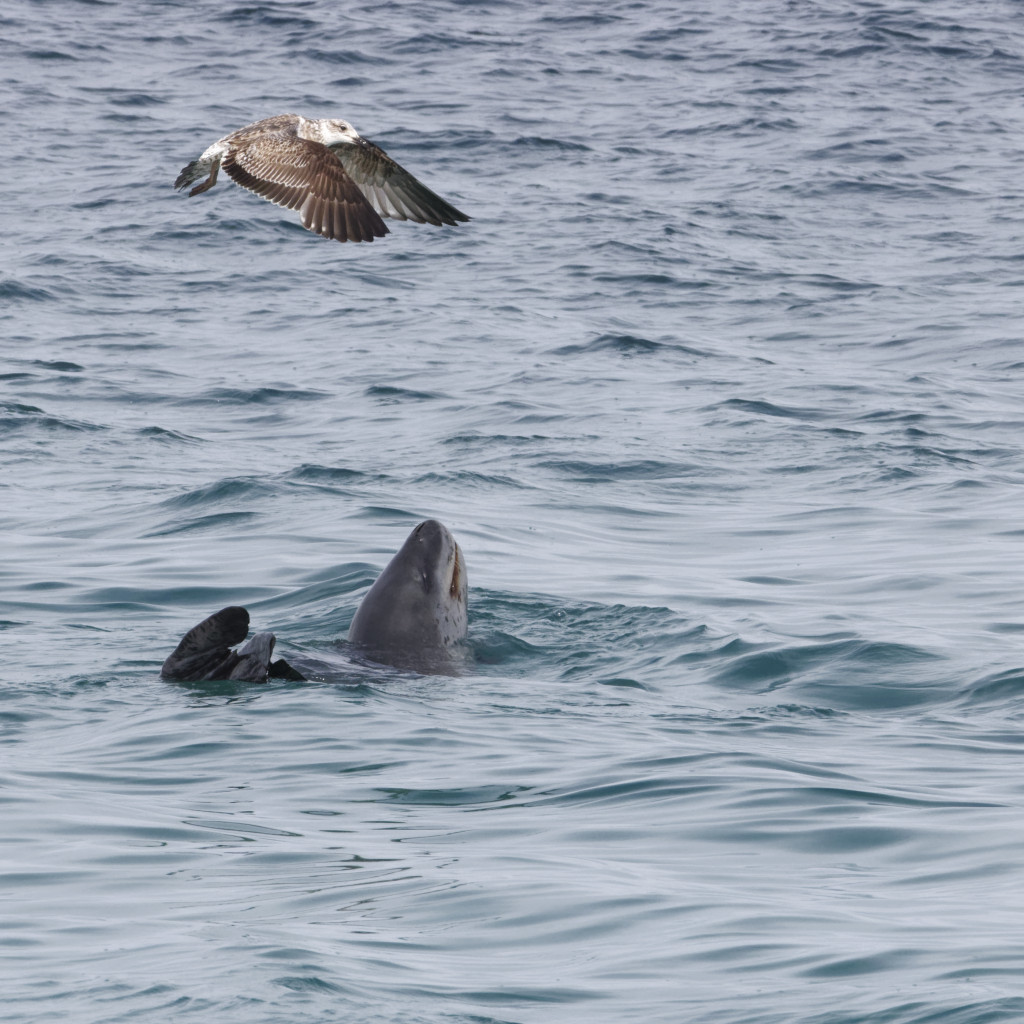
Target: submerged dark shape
x=341, y=183
x=413, y=617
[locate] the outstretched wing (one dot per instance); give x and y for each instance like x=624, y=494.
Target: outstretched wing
x=306, y=176
x=392, y=190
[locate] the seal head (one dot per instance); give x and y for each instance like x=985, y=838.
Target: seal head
x=414, y=616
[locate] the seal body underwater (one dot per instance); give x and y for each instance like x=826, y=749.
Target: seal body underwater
x=413, y=617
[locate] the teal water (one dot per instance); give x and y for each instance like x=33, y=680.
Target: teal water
x=719, y=392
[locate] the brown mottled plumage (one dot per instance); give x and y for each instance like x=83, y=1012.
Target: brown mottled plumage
x=341, y=183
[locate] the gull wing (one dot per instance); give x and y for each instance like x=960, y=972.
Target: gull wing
x=306, y=176
x=392, y=190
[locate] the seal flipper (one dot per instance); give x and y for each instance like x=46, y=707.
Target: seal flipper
x=253, y=660
x=205, y=650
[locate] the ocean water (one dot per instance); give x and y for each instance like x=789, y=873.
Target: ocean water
x=720, y=392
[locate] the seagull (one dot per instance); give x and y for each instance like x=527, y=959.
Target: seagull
x=341, y=183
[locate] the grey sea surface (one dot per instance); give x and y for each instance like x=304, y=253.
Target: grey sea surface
x=720, y=392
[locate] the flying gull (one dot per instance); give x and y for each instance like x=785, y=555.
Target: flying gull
x=341, y=183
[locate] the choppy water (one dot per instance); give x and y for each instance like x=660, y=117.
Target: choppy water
x=720, y=393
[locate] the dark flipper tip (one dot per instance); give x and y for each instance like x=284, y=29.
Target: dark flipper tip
x=280, y=669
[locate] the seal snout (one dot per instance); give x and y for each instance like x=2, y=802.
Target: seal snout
x=430, y=530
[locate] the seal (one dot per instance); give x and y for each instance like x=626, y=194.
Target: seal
x=341, y=184
x=412, y=617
